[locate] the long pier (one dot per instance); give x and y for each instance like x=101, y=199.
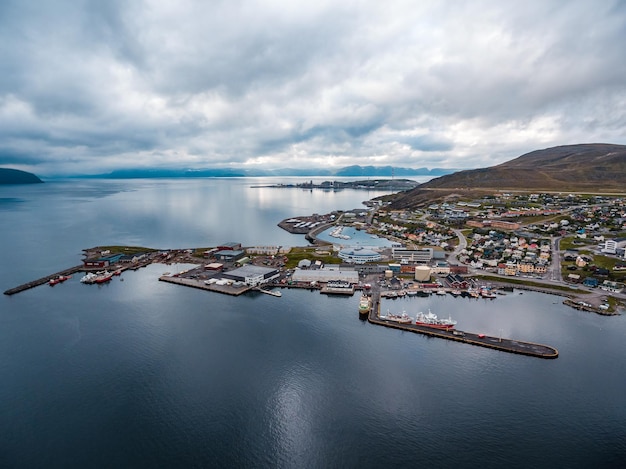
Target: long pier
x=497, y=343
x=43, y=280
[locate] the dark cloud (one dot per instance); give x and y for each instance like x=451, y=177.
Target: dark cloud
x=89, y=86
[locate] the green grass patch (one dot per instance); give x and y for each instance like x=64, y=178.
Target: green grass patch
x=575, y=243
x=129, y=250
x=299, y=253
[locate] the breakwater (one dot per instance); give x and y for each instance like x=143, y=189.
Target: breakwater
x=482, y=340
x=43, y=280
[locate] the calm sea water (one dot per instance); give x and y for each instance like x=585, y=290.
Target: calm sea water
x=144, y=374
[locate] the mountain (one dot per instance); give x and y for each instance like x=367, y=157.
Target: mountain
x=15, y=176
x=388, y=171
x=348, y=171
x=594, y=168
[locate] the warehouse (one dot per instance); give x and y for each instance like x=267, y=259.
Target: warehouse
x=325, y=275
x=252, y=275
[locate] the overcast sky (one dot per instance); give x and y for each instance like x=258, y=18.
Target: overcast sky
x=90, y=86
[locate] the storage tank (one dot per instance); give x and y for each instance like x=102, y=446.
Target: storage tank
x=388, y=273
x=422, y=273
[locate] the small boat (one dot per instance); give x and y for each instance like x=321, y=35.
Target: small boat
x=61, y=278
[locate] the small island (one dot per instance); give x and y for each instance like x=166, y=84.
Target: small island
x=15, y=176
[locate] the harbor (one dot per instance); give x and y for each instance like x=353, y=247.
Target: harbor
x=472, y=338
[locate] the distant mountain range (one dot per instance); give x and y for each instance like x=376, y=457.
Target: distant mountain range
x=15, y=176
x=348, y=171
x=593, y=168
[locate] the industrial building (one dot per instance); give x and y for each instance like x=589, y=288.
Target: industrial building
x=252, y=275
x=325, y=275
x=359, y=255
x=421, y=256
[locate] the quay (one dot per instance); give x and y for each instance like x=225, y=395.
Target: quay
x=193, y=283
x=43, y=280
x=497, y=343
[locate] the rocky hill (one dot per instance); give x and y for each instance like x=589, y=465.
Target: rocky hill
x=15, y=176
x=594, y=168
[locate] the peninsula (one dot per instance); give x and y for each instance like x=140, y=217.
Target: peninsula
x=15, y=176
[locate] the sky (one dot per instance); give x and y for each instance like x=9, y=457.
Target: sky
x=87, y=87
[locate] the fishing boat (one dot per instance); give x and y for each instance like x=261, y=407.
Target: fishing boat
x=89, y=277
x=431, y=320
x=402, y=318
x=103, y=277
x=59, y=279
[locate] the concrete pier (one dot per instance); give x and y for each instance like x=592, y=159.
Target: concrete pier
x=472, y=338
x=43, y=280
x=187, y=282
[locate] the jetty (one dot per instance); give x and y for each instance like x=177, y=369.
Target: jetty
x=43, y=280
x=497, y=343
x=214, y=287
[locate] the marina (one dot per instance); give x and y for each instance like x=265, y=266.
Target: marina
x=404, y=322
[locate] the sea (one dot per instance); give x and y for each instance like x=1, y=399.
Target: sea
x=140, y=373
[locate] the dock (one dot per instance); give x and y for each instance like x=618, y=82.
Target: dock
x=497, y=343
x=43, y=280
x=193, y=283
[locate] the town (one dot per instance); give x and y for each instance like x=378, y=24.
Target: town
x=571, y=245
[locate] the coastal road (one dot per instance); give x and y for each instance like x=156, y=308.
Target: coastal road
x=555, y=267
x=461, y=246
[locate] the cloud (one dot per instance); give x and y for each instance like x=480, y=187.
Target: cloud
x=92, y=86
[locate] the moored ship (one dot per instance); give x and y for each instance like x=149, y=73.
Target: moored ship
x=89, y=277
x=59, y=279
x=431, y=320
x=402, y=318
x=365, y=304
x=103, y=277
x=100, y=277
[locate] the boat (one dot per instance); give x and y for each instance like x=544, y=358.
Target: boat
x=59, y=279
x=441, y=292
x=365, y=304
x=103, y=277
x=486, y=293
x=431, y=320
x=402, y=318
x=455, y=292
x=118, y=272
x=411, y=292
x=89, y=277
